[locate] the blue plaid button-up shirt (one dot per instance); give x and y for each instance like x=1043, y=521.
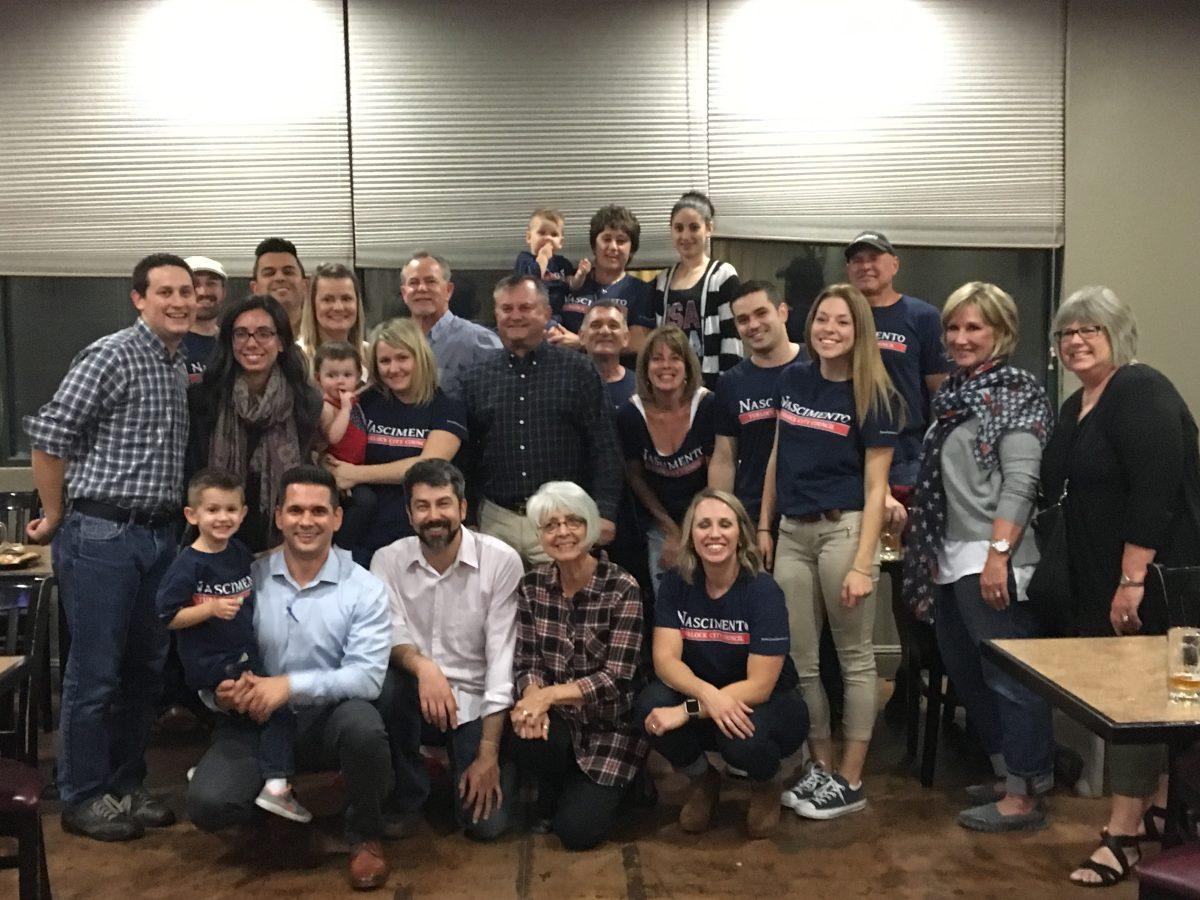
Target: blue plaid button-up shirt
x=120, y=419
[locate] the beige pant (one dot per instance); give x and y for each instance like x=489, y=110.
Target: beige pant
x=811, y=561
x=516, y=531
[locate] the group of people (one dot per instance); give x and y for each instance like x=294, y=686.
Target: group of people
x=655, y=555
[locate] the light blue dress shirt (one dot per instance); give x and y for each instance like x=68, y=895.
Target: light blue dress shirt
x=458, y=345
x=332, y=637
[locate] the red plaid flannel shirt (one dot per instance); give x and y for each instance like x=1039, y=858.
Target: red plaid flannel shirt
x=595, y=640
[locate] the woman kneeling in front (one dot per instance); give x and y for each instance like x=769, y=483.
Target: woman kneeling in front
x=725, y=681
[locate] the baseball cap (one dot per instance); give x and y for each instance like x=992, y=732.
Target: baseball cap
x=204, y=264
x=876, y=239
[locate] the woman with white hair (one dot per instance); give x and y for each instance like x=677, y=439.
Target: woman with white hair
x=1125, y=454
x=579, y=644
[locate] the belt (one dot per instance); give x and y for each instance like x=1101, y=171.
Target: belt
x=829, y=515
x=112, y=513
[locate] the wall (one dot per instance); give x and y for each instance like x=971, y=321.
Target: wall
x=1133, y=169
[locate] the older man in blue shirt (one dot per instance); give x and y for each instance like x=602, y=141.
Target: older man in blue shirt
x=324, y=630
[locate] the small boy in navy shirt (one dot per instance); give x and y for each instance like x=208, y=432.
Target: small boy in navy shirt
x=207, y=595
x=544, y=238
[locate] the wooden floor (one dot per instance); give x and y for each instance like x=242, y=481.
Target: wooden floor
x=905, y=844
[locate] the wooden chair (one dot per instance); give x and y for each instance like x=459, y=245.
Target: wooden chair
x=18, y=509
x=21, y=784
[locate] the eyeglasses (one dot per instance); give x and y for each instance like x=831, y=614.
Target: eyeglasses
x=573, y=523
x=262, y=335
x=1087, y=332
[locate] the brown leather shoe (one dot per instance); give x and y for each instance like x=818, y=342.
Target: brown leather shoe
x=763, y=815
x=701, y=801
x=369, y=868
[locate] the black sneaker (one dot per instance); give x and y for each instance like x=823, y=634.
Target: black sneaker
x=148, y=811
x=103, y=818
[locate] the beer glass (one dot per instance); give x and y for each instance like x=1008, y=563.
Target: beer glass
x=1183, y=664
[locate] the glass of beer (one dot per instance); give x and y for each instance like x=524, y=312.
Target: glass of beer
x=891, y=548
x=1183, y=664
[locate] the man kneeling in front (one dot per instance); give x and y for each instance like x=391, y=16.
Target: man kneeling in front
x=324, y=633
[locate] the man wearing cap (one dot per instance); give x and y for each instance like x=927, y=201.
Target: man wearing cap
x=209, y=281
x=909, y=333
x=458, y=344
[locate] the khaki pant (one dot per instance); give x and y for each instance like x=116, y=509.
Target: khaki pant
x=811, y=561
x=516, y=531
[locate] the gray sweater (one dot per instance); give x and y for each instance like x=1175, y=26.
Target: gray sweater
x=975, y=498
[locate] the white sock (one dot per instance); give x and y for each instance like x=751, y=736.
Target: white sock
x=277, y=786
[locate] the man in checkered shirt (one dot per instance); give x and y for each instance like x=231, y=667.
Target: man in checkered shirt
x=108, y=465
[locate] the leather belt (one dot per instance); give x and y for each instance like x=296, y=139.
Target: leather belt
x=113, y=513
x=516, y=508
x=829, y=515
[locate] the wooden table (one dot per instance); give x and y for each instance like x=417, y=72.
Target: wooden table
x=10, y=672
x=1114, y=686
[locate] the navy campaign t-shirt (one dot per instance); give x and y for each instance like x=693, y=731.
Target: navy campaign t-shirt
x=199, y=348
x=673, y=477
x=719, y=635
x=746, y=397
x=217, y=648
x=397, y=430
x=620, y=392
x=909, y=333
x=558, y=270
x=635, y=296
x=822, y=448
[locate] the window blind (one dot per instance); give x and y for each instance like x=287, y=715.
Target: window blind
x=939, y=122
x=466, y=116
x=189, y=126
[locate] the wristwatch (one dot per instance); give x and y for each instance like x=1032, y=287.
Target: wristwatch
x=1002, y=546
x=692, y=705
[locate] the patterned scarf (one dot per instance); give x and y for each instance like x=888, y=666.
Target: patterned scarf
x=272, y=414
x=1003, y=399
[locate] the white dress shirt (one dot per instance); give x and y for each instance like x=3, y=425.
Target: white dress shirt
x=464, y=619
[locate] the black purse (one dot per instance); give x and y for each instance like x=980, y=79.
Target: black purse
x=1049, y=589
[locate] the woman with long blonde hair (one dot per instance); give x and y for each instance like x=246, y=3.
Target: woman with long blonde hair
x=333, y=311
x=408, y=419
x=828, y=478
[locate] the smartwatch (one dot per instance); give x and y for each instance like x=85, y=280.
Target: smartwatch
x=692, y=705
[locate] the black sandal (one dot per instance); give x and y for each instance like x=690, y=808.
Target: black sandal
x=1116, y=844
x=1151, y=831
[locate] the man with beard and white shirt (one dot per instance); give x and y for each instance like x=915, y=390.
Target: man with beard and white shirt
x=746, y=394
x=454, y=604
x=209, y=281
x=279, y=273
x=457, y=343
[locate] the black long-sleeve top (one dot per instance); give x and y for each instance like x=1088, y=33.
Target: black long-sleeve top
x=541, y=417
x=1133, y=465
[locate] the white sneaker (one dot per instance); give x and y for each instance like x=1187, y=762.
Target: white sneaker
x=814, y=776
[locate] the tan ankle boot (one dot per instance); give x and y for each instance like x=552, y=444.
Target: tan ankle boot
x=763, y=815
x=701, y=801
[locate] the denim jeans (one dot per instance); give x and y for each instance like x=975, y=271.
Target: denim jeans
x=108, y=575
x=1010, y=719
x=780, y=726
x=408, y=730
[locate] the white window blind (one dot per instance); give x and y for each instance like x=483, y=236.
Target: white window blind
x=189, y=126
x=938, y=121
x=468, y=115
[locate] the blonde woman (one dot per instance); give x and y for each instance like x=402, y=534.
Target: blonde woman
x=828, y=478
x=667, y=435
x=408, y=419
x=333, y=310
x=724, y=681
